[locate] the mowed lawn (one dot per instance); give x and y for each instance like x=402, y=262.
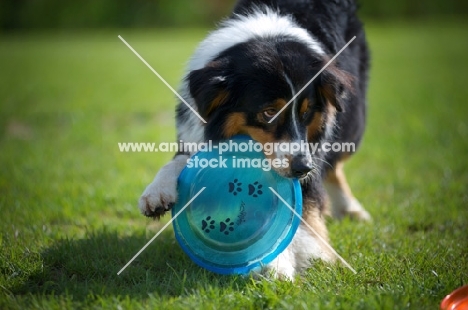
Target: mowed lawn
x=68, y=198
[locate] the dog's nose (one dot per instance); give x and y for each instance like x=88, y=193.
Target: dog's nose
x=301, y=165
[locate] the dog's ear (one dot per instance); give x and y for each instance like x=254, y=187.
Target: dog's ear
x=334, y=86
x=208, y=86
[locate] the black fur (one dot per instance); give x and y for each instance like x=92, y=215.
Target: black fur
x=333, y=23
x=251, y=74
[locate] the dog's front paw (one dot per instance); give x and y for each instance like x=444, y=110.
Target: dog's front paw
x=283, y=272
x=281, y=268
x=161, y=195
x=157, y=199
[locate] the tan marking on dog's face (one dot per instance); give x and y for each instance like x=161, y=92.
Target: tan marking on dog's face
x=220, y=99
x=316, y=126
x=327, y=92
x=279, y=103
x=304, y=107
x=259, y=135
x=234, y=124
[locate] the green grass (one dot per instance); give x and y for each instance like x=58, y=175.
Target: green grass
x=69, y=219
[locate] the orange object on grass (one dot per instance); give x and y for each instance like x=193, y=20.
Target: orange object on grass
x=457, y=300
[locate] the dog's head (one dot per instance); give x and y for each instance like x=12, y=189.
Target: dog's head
x=244, y=88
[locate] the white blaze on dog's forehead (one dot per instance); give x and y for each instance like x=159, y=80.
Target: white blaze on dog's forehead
x=295, y=122
x=260, y=23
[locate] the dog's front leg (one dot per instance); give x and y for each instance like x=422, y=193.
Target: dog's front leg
x=161, y=194
x=310, y=241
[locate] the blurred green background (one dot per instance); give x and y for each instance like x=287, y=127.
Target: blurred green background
x=21, y=14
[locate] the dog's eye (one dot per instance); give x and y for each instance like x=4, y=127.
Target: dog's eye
x=269, y=113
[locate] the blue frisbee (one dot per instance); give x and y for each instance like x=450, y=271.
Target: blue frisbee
x=237, y=223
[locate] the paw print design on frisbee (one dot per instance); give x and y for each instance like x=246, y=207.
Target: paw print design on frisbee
x=226, y=226
x=235, y=187
x=208, y=224
x=255, y=189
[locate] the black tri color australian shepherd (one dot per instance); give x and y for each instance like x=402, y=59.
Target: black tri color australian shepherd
x=245, y=72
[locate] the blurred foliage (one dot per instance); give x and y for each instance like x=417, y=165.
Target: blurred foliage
x=109, y=13
x=27, y=14
x=404, y=9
